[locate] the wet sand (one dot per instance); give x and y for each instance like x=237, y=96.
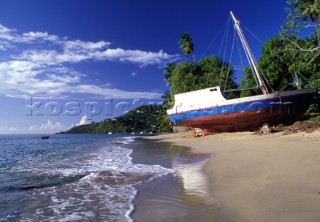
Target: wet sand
x=172, y=197
x=260, y=178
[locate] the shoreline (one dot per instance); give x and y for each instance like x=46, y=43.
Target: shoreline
x=173, y=197
x=260, y=178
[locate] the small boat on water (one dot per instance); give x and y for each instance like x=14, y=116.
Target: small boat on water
x=210, y=111
x=45, y=137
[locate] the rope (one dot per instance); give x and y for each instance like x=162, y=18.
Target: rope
x=264, y=77
x=259, y=40
x=214, y=39
x=223, y=38
x=241, y=60
x=231, y=54
x=225, y=49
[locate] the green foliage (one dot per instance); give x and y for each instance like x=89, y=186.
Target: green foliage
x=168, y=71
x=284, y=59
x=300, y=14
x=211, y=71
x=314, y=108
x=182, y=77
x=275, y=64
x=297, y=56
x=314, y=119
x=248, y=81
x=189, y=76
x=307, y=9
x=144, y=118
x=164, y=123
x=186, y=45
x=88, y=128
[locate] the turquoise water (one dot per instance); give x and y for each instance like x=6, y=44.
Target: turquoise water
x=70, y=178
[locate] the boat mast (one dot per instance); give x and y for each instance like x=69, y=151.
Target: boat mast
x=261, y=82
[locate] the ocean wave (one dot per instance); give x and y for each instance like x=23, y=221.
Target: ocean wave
x=89, y=182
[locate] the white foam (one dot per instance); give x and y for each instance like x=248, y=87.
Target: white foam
x=106, y=192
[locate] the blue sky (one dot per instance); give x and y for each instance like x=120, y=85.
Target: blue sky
x=87, y=55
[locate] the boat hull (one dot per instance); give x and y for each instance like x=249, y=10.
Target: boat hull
x=248, y=113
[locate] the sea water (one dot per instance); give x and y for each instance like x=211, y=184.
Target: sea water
x=70, y=178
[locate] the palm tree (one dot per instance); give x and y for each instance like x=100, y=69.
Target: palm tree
x=168, y=72
x=168, y=99
x=309, y=9
x=186, y=45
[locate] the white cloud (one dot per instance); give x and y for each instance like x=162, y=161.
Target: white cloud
x=31, y=37
x=23, y=79
x=12, y=130
x=139, y=57
x=4, y=45
x=4, y=30
x=81, y=46
x=7, y=34
x=133, y=74
x=83, y=121
x=77, y=50
x=48, y=127
x=82, y=53
x=114, y=93
x=44, y=70
x=52, y=127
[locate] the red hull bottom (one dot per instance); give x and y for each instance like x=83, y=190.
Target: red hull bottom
x=243, y=121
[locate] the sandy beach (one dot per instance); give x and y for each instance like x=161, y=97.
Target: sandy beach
x=260, y=178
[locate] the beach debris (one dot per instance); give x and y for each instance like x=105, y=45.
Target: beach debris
x=265, y=129
x=197, y=132
x=301, y=126
x=297, y=127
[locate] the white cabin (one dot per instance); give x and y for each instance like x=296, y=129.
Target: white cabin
x=195, y=100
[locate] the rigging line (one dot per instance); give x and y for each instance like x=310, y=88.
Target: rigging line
x=311, y=60
x=214, y=39
x=241, y=61
x=240, y=56
x=231, y=54
x=251, y=64
x=264, y=77
x=226, y=45
x=245, y=78
x=223, y=38
x=262, y=73
x=255, y=36
x=303, y=77
x=280, y=58
x=224, y=53
x=259, y=40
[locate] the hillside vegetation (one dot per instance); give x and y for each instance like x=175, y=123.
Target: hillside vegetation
x=141, y=119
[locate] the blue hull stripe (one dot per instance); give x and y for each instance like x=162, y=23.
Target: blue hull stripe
x=295, y=103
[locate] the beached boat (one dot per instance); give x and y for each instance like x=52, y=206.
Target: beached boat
x=210, y=111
